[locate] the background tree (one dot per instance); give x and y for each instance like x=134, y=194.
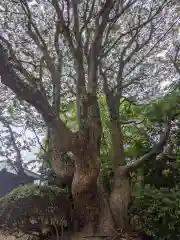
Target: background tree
x=19, y=130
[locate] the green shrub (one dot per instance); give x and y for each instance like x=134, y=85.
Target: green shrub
x=158, y=211
x=33, y=205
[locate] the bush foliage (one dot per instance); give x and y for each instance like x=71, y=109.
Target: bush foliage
x=158, y=211
x=33, y=205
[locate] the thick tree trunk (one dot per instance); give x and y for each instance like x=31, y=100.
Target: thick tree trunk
x=95, y=216
x=120, y=199
x=91, y=208
x=62, y=164
x=121, y=190
x=117, y=143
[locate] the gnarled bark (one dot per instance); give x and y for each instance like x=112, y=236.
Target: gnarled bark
x=90, y=205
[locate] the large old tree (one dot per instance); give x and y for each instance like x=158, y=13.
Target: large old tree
x=52, y=52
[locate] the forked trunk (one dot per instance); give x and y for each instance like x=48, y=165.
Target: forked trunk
x=92, y=214
x=92, y=211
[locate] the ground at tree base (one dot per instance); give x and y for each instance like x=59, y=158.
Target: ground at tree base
x=79, y=237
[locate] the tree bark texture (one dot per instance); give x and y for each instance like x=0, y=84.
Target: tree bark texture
x=89, y=201
x=120, y=199
x=62, y=163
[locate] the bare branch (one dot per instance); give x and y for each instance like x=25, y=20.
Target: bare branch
x=96, y=45
x=129, y=4
x=4, y=121
x=63, y=27
x=153, y=47
x=77, y=52
x=17, y=64
x=27, y=12
x=37, y=138
x=138, y=26
x=175, y=60
x=50, y=65
x=139, y=46
x=55, y=71
x=86, y=19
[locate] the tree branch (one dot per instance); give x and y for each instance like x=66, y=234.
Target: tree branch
x=16, y=148
x=16, y=62
x=152, y=48
x=34, y=96
x=96, y=45
x=140, y=25
x=155, y=150
x=63, y=27
x=175, y=60
x=58, y=72
x=54, y=70
x=122, y=10
x=35, y=36
x=131, y=122
x=86, y=19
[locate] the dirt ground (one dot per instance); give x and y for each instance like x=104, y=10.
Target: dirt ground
x=6, y=238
